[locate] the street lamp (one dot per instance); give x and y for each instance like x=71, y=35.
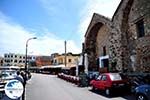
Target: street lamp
x=27, y=51
x=24, y=84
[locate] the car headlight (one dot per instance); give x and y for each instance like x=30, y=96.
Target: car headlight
x=146, y=90
x=4, y=81
x=136, y=89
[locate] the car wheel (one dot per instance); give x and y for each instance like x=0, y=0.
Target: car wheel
x=107, y=92
x=140, y=97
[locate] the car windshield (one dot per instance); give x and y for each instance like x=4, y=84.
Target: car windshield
x=4, y=75
x=115, y=77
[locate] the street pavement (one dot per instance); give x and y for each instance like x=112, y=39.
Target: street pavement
x=49, y=87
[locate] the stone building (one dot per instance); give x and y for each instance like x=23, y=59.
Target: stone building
x=43, y=61
x=130, y=36
x=125, y=38
x=97, y=42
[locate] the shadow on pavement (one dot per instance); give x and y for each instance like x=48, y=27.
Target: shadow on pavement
x=127, y=96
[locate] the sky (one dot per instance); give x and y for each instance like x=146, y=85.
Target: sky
x=51, y=21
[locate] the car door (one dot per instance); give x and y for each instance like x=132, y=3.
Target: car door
x=103, y=82
x=97, y=81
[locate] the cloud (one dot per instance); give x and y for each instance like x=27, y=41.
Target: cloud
x=103, y=7
x=50, y=7
x=13, y=39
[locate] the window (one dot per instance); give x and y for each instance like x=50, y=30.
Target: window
x=55, y=61
x=99, y=77
x=15, y=56
x=5, y=55
x=8, y=61
x=104, y=78
x=104, y=51
x=20, y=61
x=115, y=77
x=69, y=60
x=61, y=61
x=97, y=62
x=140, y=28
x=29, y=57
x=15, y=61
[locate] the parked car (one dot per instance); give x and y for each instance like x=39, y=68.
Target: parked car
x=5, y=76
x=137, y=80
x=92, y=75
x=143, y=92
x=109, y=82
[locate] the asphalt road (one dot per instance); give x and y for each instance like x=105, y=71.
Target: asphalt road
x=49, y=87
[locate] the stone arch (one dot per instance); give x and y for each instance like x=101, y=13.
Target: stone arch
x=119, y=37
x=91, y=36
x=91, y=46
x=125, y=56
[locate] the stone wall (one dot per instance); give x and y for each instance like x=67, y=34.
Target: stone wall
x=127, y=51
x=102, y=40
x=92, y=40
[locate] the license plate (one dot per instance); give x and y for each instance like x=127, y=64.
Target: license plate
x=121, y=84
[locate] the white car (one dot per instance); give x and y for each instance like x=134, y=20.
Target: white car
x=5, y=76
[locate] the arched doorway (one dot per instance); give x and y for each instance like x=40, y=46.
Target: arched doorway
x=90, y=47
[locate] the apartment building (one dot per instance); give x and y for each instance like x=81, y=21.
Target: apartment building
x=1, y=61
x=43, y=61
x=71, y=60
x=12, y=59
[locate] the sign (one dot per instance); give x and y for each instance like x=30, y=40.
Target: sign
x=14, y=89
x=101, y=63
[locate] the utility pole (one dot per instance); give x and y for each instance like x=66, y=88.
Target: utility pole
x=83, y=51
x=65, y=54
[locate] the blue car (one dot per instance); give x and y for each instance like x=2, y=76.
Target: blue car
x=143, y=92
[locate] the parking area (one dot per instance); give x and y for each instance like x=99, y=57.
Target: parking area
x=50, y=87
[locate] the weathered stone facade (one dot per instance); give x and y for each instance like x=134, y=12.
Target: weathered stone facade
x=126, y=37
x=102, y=40
x=128, y=51
x=96, y=38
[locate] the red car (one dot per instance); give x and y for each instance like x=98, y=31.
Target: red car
x=108, y=82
